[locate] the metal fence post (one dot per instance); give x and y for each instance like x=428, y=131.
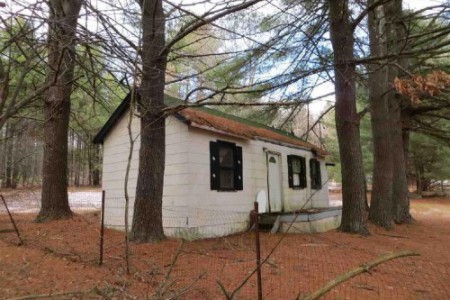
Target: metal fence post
x=12, y=221
x=258, y=251
x=102, y=228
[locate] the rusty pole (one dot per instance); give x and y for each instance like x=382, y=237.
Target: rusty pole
x=12, y=221
x=258, y=250
x=102, y=229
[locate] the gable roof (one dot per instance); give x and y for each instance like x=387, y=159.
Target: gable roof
x=217, y=121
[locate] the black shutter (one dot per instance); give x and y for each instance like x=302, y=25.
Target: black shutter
x=214, y=165
x=290, y=175
x=312, y=173
x=238, y=176
x=303, y=172
x=318, y=175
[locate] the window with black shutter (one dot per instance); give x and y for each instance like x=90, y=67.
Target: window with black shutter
x=316, y=178
x=296, y=172
x=226, y=166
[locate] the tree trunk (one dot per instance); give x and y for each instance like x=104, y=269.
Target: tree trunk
x=6, y=183
x=77, y=162
x=35, y=175
x=147, y=220
x=419, y=176
x=61, y=44
x=347, y=119
x=400, y=195
x=97, y=164
x=89, y=161
x=425, y=184
x=3, y=134
x=71, y=157
x=16, y=159
x=9, y=156
x=27, y=162
x=381, y=202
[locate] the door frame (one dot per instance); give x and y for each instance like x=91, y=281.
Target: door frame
x=280, y=173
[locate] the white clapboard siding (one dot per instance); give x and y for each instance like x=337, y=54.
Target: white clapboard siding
x=190, y=208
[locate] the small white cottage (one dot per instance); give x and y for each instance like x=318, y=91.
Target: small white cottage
x=216, y=164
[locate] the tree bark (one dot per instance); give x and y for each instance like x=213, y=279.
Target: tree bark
x=15, y=158
x=71, y=162
x=89, y=162
x=400, y=195
x=77, y=162
x=3, y=134
x=8, y=155
x=347, y=119
x=61, y=45
x=383, y=169
x=147, y=220
x=96, y=165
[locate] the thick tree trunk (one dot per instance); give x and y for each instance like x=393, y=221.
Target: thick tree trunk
x=61, y=44
x=347, y=119
x=383, y=169
x=147, y=220
x=400, y=195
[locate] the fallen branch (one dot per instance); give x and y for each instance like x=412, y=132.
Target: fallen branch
x=175, y=258
x=70, y=256
x=53, y=295
x=224, y=291
x=395, y=236
x=164, y=291
x=365, y=287
x=187, y=288
x=60, y=295
x=363, y=268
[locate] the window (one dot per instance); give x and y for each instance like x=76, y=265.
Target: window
x=226, y=166
x=316, y=178
x=296, y=171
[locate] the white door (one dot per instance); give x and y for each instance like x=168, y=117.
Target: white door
x=274, y=182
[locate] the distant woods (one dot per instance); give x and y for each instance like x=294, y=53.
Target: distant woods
x=21, y=155
x=33, y=93
x=22, y=151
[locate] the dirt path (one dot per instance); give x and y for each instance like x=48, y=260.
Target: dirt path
x=62, y=256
